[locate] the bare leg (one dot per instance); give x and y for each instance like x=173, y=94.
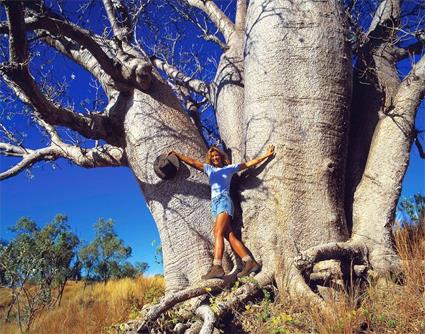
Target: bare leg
x=236, y=244
x=222, y=229
x=222, y=222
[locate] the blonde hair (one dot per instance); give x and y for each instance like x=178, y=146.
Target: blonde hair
x=223, y=155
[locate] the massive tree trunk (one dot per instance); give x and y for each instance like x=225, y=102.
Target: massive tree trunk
x=297, y=96
x=228, y=96
x=156, y=124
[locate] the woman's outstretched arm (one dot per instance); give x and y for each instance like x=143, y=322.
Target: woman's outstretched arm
x=188, y=160
x=254, y=162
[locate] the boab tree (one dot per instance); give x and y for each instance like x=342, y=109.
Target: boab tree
x=316, y=78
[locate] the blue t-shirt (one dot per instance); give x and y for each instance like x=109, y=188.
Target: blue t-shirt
x=220, y=178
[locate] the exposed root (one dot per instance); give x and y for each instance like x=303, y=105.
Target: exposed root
x=336, y=264
x=321, y=275
x=343, y=251
x=297, y=286
x=172, y=299
x=385, y=263
x=243, y=293
x=195, y=328
x=207, y=315
x=208, y=310
x=228, y=301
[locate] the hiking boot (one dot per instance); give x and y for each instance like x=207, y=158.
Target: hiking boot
x=214, y=272
x=250, y=266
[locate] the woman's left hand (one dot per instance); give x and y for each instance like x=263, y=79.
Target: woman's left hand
x=270, y=150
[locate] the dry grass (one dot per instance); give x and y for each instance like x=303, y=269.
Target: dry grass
x=94, y=308
x=386, y=306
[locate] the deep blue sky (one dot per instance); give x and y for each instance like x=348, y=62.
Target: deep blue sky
x=84, y=195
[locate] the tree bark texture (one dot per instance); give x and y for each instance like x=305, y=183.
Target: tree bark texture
x=156, y=124
x=297, y=96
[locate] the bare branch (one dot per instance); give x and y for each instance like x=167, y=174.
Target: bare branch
x=173, y=73
x=136, y=15
x=82, y=57
x=12, y=150
x=206, y=34
x=104, y=156
x=409, y=51
x=84, y=38
x=221, y=21
x=18, y=48
x=241, y=8
x=72, y=50
x=215, y=39
x=388, y=13
x=28, y=160
x=122, y=28
x=17, y=76
x=410, y=94
x=420, y=148
x=19, y=79
x=123, y=68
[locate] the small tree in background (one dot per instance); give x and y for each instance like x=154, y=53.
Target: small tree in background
x=413, y=208
x=130, y=270
x=36, y=265
x=106, y=254
x=412, y=211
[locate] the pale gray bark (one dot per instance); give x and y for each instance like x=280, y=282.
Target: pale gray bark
x=208, y=317
x=155, y=124
x=297, y=96
x=122, y=28
x=377, y=194
x=227, y=96
x=101, y=156
x=380, y=140
x=174, y=73
x=375, y=83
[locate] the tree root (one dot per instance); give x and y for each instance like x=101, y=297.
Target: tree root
x=227, y=302
x=335, y=265
x=209, y=319
x=354, y=253
x=173, y=299
x=297, y=286
x=243, y=293
x=224, y=300
x=208, y=310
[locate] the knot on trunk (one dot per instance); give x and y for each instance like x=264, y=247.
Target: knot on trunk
x=138, y=71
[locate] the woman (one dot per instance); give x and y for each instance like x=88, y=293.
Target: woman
x=220, y=173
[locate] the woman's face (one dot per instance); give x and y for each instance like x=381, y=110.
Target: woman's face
x=216, y=159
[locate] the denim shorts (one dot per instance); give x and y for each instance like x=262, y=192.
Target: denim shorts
x=222, y=203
